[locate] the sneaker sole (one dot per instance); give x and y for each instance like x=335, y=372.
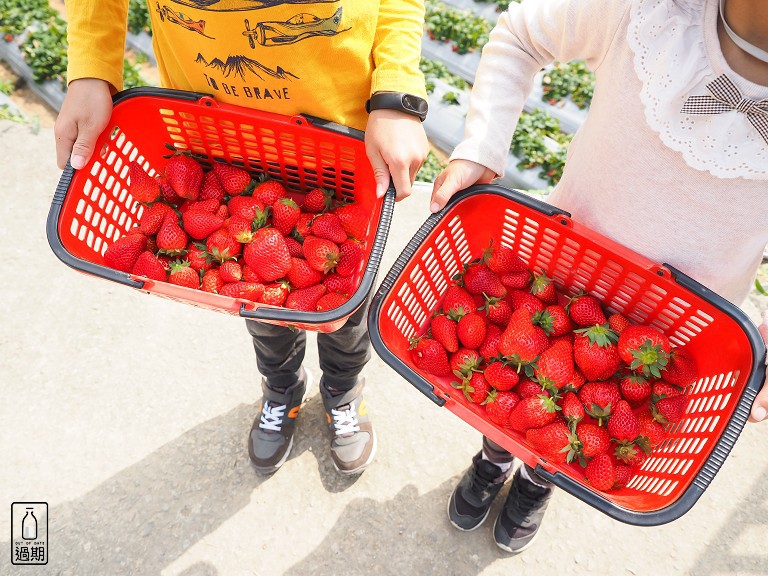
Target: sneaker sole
x=363, y=466
x=450, y=501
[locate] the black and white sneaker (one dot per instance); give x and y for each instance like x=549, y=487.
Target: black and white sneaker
x=471, y=500
x=519, y=521
x=271, y=437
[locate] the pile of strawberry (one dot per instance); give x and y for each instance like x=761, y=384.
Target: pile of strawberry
x=579, y=386
x=224, y=232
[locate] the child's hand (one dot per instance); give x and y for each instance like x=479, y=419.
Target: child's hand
x=84, y=114
x=396, y=145
x=760, y=406
x=459, y=174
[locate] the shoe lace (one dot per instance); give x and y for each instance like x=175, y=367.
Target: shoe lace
x=272, y=417
x=345, y=420
x=477, y=483
x=528, y=503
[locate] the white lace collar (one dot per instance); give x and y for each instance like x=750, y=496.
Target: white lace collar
x=677, y=53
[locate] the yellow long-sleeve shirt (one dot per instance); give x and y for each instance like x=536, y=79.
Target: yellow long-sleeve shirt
x=319, y=57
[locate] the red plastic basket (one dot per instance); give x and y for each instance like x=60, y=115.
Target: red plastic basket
x=727, y=346
x=92, y=207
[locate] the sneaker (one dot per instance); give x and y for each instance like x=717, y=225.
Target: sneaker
x=470, y=503
x=353, y=444
x=519, y=521
x=271, y=437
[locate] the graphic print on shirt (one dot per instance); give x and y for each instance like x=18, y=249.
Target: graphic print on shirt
x=235, y=5
x=293, y=30
x=185, y=22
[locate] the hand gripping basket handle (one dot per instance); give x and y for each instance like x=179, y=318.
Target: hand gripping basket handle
x=376, y=304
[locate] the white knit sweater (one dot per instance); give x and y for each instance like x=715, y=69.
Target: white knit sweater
x=690, y=191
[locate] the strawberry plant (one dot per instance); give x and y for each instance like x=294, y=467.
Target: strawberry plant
x=463, y=28
x=45, y=50
x=539, y=143
x=430, y=169
x=573, y=79
x=138, y=17
x=20, y=14
x=501, y=5
x=131, y=75
x=436, y=69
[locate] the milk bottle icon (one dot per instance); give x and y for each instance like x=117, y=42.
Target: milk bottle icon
x=29, y=525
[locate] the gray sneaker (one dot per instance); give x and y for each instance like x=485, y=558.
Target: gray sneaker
x=519, y=521
x=271, y=437
x=353, y=444
x=471, y=500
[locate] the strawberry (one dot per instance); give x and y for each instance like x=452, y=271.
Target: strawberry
x=631, y=453
x=430, y=356
x=200, y=224
x=543, y=288
x=221, y=246
x=586, y=310
x=149, y=266
x=599, y=399
x=578, y=380
x=184, y=175
x=635, y=389
x=533, y=412
x=317, y=200
x=351, y=258
x=331, y=301
x=474, y=386
x=471, y=331
x=285, y=214
x=490, y=347
x=322, y=254
x=305, y=299
x=527, y=388
x=551, y=441
x=571, y=408
x=329, y=226
x=268, y=191
x=645, y=348
x=523, y=299
x=355, y=219
x=499, y=407
x=302, y=275
x=554, y=320
x=211, y=189
x=143, y=187
x=152, y=218
x=250, y=275
x=233, y=180
x=240, y=229
x=651, y=429
x=268, y=254
x=303, y=226
x=212, y=281
x=198, y=258
x=211, y=205
x=587, y=441
x=464, y=361
x=595, y=352
x=171, y=239
x=516, y=280
x=617, y=322
x=662, y=388
x=340, y=284
x=245, y=290
x=497, y=310
x=123, y=253
x=479, y=279
x=230, y=271
x=522, y=342
x=457, y=297
x=554, y=368
x=248, y=208
x=275, y=294
x=600, y=472
x=444, y=331
x=681, y=368
x=623, y=424
x=623, y=475
x=669, y=410
x=294, y=247
x=183, y=275
x=503, y=260
x=167, y=193
x=501, y=376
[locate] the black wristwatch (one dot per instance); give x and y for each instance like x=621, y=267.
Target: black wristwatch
x=407, y=103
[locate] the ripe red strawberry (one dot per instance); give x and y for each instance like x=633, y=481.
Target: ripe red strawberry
x=523, y=299
x=430, y=356
x=457, y=297
x=240, y=229
x=317, y=200
x=198, y=257
x=269, y=191
x=223, y=211
x=322, y=254
x=211, y=205
x=152, y=218
x=544, y=288
x=268, y=254
x=499, y=407
x=650, y=429
x=554, y=320
x=185, y=175
x=595, y=352
x=479, y=279
x=503, y=259
x=681, y=368
x=351, y=258
x=245, y=290
x=294, y=247
x=600, y=472
x=275, y=294
x=635, y=389
x=490, y=347
x=471, y=331
x=571, y=408
x=230, y=271
x=501, y=376
x=355, y=219
x=221, y=246
x=533, y=412
x=285, y=214
x=497, y=310
x=516, y=280
x=305, y=299
x=551, y=441
x=200, y=224
x=474, y=386
x=521, y=341
x=617, y=322
x=211, y=189
x=329, y=226
x=250, y=275
x=599, y=399
x=331, y=301
x=302, y=275
x=233, y=180
x=171, y=239
x=586, y=310
x=554, y=368
x=248, y=208
x=587, y=441
x=661, y=388
x=123, y=253
x=623, y=424
x=631, y=454
x=527, y=388
x=303, y=226
x=183, y=275
x=464, y=361
x=578, y=380
x=148, y=265
x=623, y=475
x=669, y=410
x=212, y=281
x=167, y=193
x=143, y=187
x=340, y=284
x=444, y=331
x=645, y=349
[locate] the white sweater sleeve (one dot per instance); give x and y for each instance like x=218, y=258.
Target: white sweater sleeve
x=526, y=38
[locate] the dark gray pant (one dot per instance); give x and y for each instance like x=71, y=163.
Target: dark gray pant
x=343, y=354
x=499, y=455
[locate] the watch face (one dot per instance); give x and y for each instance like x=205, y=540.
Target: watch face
x=414, y=103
